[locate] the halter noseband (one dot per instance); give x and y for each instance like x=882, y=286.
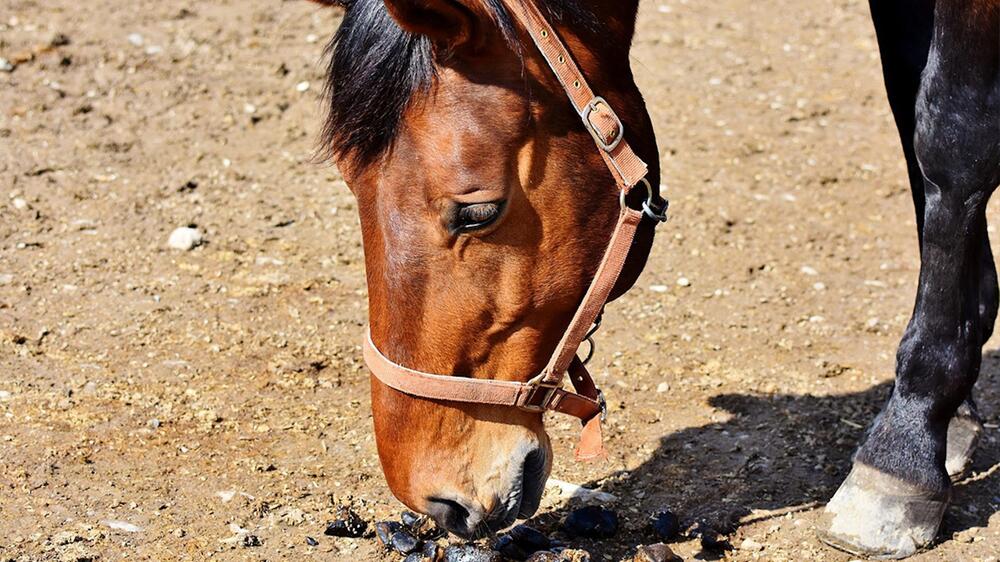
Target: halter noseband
x=544, y=392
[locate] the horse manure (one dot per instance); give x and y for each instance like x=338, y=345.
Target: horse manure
x=311, y=541
x=470, y=553
x=422, y=526
x=530, y=538
x=508, y=547
x=403, y=542
x=655, y=553
x=384, y=531
x=521, y=542
x=545, y=556
x=568, y=555
x=347, y=524
x=409, y=519
x=709, y=538
x=665, y=525
x=432, y=551
x=592, y=522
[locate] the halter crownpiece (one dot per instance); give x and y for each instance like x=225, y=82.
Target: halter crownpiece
x=544, y=391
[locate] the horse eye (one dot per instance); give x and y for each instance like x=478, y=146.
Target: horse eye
x=476, y=216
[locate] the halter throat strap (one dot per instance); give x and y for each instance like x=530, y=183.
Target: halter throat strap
x=544, y=391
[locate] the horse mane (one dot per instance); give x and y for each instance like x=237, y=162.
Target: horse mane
x=376, y=68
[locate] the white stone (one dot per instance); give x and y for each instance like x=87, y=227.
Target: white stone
x=123, y=526
x=136, y=39
x=302, y=86
x=6, y=279
x=808, y=270
x=658, y=288
x=751, y=545
x=662, y=387
x=684, y=282
x=185, y=238
x=20, y=204
x=6, y=66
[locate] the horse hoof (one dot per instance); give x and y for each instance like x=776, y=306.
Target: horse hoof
x=879, y=516
x=964, y=432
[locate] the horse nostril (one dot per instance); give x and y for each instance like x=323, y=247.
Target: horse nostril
x=532, y=483
x=454, y=516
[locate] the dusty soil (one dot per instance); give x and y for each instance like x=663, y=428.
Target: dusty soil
x=185, y=393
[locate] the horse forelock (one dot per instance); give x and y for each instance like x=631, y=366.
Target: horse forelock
x=376, y=70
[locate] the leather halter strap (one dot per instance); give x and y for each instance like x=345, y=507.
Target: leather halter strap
x=544, y=392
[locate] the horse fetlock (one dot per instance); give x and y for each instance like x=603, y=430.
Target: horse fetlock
x=880, y=516
x=964, y=432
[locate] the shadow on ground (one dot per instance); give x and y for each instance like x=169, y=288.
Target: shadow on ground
x=776, y=455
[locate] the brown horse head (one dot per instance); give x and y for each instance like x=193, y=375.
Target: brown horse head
x=485, y=210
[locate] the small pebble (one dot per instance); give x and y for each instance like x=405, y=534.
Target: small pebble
x=302, y=86
x=662, y=387
x=665, y=525
x=185, y=238
x=751, y=545
x=20, y=204
x=6, y=279
x=135, y=39
x=684, y=282
x=6, y=66
x=403, y=542
x=808, y=270
x=655, y=553
x=658, y=288
x=311, y=541
x=59, y=40
x=347, y=524
x=592, y=522
x=153, y=423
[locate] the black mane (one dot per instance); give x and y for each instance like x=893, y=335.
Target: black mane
x=376, y=68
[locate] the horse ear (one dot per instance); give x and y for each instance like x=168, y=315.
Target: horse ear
x=452, y=22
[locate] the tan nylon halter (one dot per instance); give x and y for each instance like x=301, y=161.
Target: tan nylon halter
x=544, y=391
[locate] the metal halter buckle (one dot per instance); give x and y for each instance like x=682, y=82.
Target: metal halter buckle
x=603, y=404
x=594, y=132
x=539, y=389
x=647, y=205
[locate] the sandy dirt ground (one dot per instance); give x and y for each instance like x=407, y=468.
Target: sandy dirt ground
x=155, y=403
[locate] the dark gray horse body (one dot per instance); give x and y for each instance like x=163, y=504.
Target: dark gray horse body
x=941, y=62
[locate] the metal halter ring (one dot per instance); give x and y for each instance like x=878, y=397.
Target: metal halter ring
x=647, y=205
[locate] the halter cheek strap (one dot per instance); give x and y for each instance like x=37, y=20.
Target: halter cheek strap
x=544, y=392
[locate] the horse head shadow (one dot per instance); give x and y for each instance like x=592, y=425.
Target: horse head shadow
x=779, y=454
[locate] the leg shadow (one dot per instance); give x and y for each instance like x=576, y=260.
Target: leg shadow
x=777, y=454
